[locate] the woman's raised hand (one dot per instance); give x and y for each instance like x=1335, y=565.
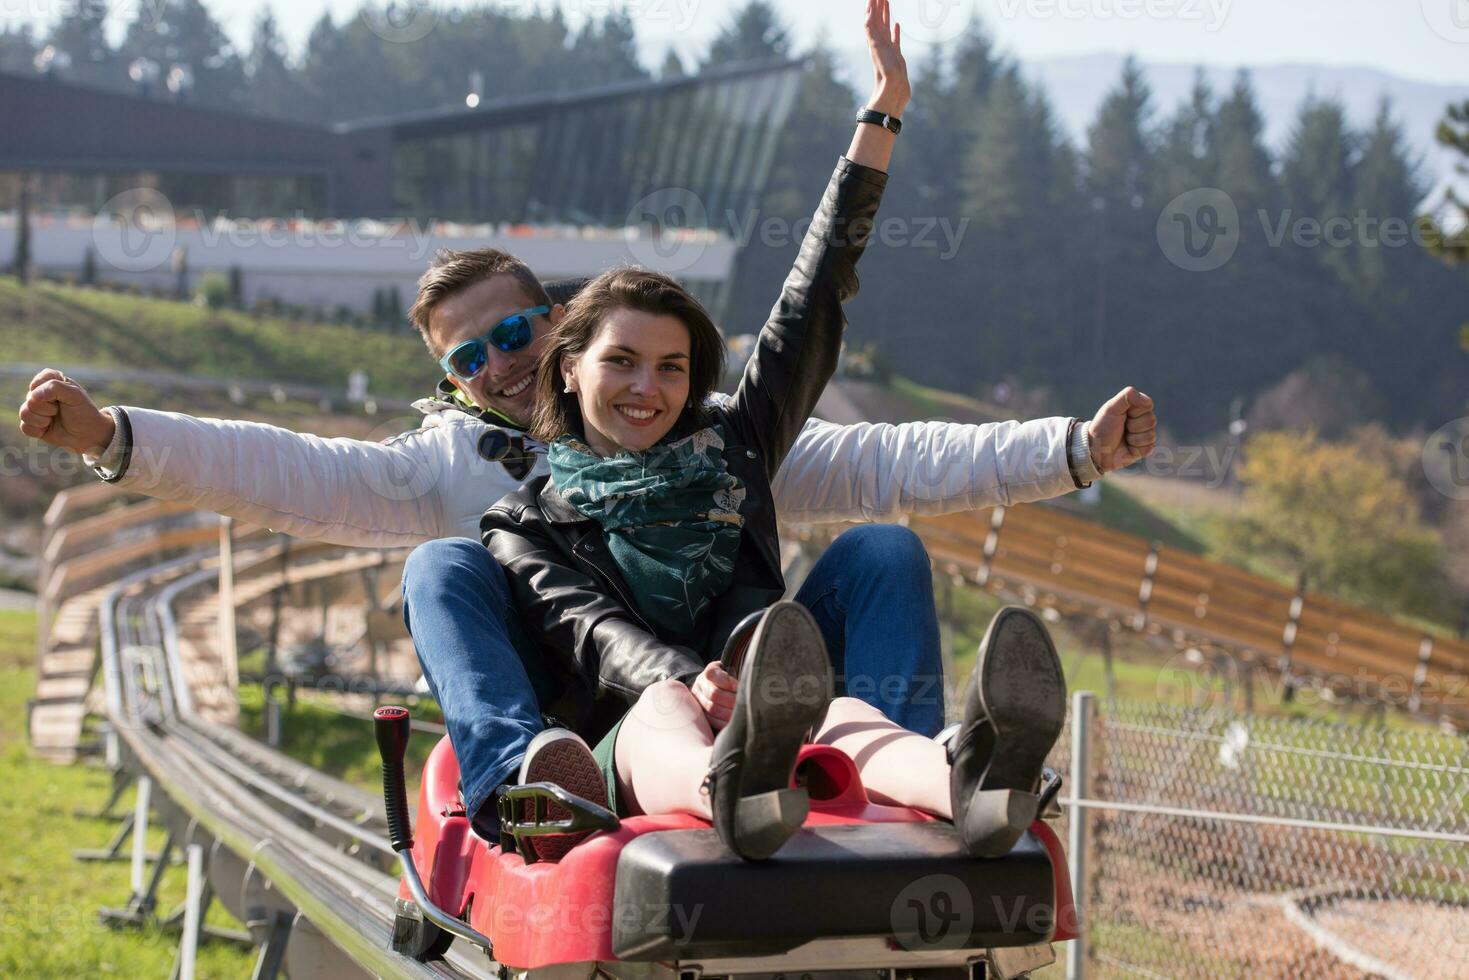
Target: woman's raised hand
x=714, y=689
x=890, y=88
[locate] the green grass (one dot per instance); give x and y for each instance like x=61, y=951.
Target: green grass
x=1124, y=512
x=50, y=926
x=72, y=325
x=336, y=743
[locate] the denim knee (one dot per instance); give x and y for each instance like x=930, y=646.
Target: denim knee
x=881, y=547
x=453, y=563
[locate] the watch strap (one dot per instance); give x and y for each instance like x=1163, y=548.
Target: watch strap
x=892, y=124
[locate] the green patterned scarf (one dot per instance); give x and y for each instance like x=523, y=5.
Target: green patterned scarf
x=671, y=516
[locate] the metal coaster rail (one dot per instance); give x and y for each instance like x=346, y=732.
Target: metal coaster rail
x=318, y=843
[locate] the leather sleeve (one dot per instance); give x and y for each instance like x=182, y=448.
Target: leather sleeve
x=567, y=610
x=796, y=352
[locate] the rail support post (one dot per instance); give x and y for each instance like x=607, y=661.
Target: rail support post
x=273, y=950
x=194, y=905
x=140, y=833
x=1083, y=713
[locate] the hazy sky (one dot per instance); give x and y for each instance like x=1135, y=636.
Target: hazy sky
x=1426, y=40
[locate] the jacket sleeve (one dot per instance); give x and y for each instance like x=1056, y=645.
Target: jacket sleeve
x=871, y=472
x=796, y=352
x=569, y=611
x=344, y=491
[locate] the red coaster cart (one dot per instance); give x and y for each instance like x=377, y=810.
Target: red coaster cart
x=862, y=889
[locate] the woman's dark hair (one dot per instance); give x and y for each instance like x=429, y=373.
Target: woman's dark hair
x=557, y=411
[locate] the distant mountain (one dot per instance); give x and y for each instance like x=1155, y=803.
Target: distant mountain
x=1077, y=84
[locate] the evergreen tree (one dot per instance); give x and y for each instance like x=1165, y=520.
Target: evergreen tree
x=672, y=66
x=1118, y=182
x=1120, y=163
x=183, y=33
x=604, y=51
x=17, y=49
x=81, y=33
x=1185, y=150
x=1316, y=174
x=272, y=88
x=1453, y=132
x=1386, y=190
x=756, y=33
x=1237, y=150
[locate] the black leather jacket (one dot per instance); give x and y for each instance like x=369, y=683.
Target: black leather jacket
x=569, y=594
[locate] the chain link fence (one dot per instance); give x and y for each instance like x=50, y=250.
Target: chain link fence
x=1228, y=845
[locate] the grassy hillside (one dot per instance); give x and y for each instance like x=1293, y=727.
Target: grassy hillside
x=51, y=926
x=68, y=325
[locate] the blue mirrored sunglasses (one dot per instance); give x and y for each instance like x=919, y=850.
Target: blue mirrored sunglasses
x=511, y=334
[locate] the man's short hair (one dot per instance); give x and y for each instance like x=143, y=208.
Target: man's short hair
x=452, y=271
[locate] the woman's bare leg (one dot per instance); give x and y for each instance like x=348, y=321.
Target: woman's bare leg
x=898, y=767
x=662, y=753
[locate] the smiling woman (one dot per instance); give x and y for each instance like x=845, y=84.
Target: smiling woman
x=633, y=351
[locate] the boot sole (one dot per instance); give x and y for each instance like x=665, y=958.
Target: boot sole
x=1022, y=690
x=787, y=664
x=568, y=763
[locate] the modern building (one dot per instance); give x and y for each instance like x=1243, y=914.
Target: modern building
x=655, y=172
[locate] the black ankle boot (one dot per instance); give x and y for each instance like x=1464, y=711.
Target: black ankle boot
x=785, y=684
x=1013, y=713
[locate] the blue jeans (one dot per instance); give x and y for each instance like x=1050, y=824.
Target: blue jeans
x=871, y=594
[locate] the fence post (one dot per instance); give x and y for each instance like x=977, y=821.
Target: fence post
x=1083, y=712
x=1420, y=673
x=227, y=649
x=991, y=545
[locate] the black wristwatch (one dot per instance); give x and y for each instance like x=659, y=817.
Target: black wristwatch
x=892, y=124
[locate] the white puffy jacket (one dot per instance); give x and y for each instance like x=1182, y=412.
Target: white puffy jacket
x=431, y=481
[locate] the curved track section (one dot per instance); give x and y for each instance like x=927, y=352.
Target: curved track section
x=294, y=840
